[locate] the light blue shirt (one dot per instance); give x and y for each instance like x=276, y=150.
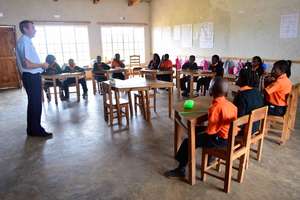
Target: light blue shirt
x=26, y=50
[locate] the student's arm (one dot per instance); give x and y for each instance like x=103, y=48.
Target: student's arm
x=32, y=65
x=213, y=120
x=273, y=87
x=67, y=69
x=195, y=66
x=106, y=67
x=95, y=67
x=79, y=69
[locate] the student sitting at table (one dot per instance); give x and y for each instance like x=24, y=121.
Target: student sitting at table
x=118, y=64
x=220, y=115
x=276, y=94
x=53, y=69
x=217, y=67
x=165, y=65
x=98, y=68
x=190, y=65
x=72, y=68
x=154, y=63
x=256, y=72
x=248, y=98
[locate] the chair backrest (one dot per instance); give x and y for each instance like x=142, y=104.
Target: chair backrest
x=107, y=93
x=135, y=60
x=259, y=115
x=150, y=75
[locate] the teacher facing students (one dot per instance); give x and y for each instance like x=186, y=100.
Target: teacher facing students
x=31, y=69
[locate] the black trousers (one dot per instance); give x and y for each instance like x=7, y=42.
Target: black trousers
x=203, y=81
x=70, y=81
x=118, y=76
x=186, y=81
x=50, y=84
x=33, y=87
x=202, y=140
x=164, y=77
x=276, y=110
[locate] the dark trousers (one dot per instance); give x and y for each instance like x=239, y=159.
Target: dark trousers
x=70, y=81
x=202, y=140
x=164, y=77
x=203, y=81
x=276, y=110
x=33, y=87
x=50, y=84
x=118, y=76
x=186, y=81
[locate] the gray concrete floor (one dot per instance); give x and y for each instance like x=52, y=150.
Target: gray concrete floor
x=88, y=160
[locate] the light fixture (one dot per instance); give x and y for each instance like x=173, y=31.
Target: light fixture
x=56, y=16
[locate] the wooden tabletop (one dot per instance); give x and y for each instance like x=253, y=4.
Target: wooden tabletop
x=63, y=75
x=158, y=72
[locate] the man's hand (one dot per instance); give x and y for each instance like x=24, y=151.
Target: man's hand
x=45, y=65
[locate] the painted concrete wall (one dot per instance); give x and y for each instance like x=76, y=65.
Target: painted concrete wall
x=242, y=28
x=109, y=11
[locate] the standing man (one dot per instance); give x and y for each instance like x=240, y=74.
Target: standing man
x=31, y=69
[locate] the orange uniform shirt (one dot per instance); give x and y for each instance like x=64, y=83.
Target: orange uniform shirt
x=117, y=64
x=220, y=115
x=166, y=65
x=277, y=91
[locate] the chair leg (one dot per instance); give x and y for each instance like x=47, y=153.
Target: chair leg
x=284, y=133
x=228, y=174
x=111, y=117
x=154, y=101
x=248, y=158
x=241, y=172
x=219, y=165
x=259, y=149
x=204, y=165
x=127, y=115
x=135, y=104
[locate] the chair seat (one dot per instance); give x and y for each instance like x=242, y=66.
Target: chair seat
x=121, y=100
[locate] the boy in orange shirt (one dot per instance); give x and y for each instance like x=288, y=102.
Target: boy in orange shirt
x=220, y=115
x=277, y=92
x=118, y=64
x=165, y=65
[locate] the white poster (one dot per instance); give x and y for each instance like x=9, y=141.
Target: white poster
x=206, y=35
x=176, y=33
x=186, y=35
x=289, y=26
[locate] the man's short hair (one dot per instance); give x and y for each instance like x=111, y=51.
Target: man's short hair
x=24, y=24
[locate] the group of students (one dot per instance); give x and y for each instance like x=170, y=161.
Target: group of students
x=222, y=112
x=163, y=64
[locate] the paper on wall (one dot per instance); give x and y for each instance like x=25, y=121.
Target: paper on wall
x=176, y=33
x=289, y=26
x=186, y=35
x=206, y=35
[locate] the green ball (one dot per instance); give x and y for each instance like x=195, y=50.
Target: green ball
x=189, y=104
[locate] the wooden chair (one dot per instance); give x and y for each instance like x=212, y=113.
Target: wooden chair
x=135, y=64
x=282, y=124
x=110, y=105
x=258, y=115
x=49, y=93
x=232, y=152
x=99, y=84
x=294, y=106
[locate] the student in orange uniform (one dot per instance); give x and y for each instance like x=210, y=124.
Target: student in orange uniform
x=165, y=65
x=220, y=115
x=277, y=92
x=118, y=64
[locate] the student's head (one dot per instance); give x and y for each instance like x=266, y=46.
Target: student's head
x=166, y=57
x=27, y=28
x=215, y=59
x=288, y=70
x=280, y=67
x=156, y=57
x=192, y=59
x=50, y=59
x=99, y=59
x=117, y=57
x=71, y=62
x=218, y=87
x=256, y=62
x=244, y=78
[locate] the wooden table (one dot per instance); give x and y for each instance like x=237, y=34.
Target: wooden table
x=154, y=73
x=141, y=84
x=186, y=121
x=63, y=76
x=108, y=73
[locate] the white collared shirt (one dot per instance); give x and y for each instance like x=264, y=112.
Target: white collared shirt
x=26, y=50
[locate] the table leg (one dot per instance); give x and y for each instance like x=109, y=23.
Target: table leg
x=143, y=104
x=178, y=132
x=130, y=103
x=55, y=91
x=192, y=153
x=77, y=89
x=118, y=107
x=148, y=112
x=94, y=84
x=191, y=86
x=170, y=101
x=178, y=83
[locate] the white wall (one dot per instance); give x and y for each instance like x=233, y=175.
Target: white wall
x=108, y=11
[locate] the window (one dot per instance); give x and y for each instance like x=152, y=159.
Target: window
x=64, y=42
x=124, y=40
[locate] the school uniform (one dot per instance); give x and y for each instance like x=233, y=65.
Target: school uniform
x=276, y=95
x=117, y=65
x=220, y=115
x=247, y=100
x=97, y=68
x=165, y=65
x=70, y=81
x=218, y=69
x=255, y=77
x=52, y=70
x=186, y=79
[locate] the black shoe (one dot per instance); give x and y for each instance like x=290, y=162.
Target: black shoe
x=64, y=98
x=48, y=96
x=44, y=135
x=175, y=173
x=85, y=95
x=185, y=94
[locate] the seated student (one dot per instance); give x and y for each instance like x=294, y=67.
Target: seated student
x=248, y=98
x=220, y=115
x=165, y=65
x=71, y=69
x=217, y=67
x=118, y=64
x=154, y=63
x=53, y=69
x=191, y=65
x=256, y=71
x=98, y=67
x=277, y=92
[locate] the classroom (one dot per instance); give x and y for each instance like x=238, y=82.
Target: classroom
x=149, y=99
